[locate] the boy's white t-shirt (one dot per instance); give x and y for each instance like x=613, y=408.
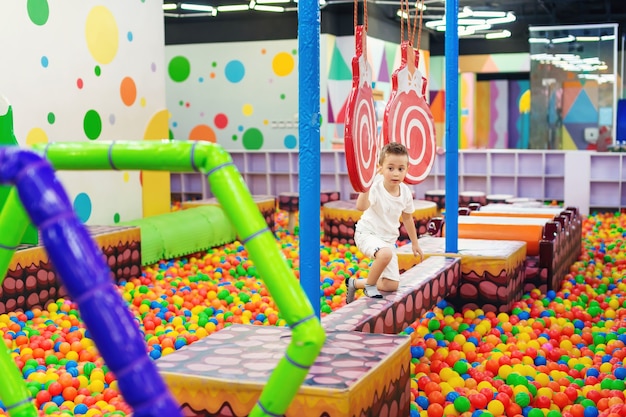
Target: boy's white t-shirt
x=382, y=217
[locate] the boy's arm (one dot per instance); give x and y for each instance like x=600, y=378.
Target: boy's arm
x=363, y=201
x=409, y=224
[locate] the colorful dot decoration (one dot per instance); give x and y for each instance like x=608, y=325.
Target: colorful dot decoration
x=559, y=354
x=38, y=11
x=128, y=91
x=291, y=142
x=252, y=139
x=82, y=207
x=102, y=34
x=283, y=64
x=204, y=133
x=221, y=121
x=179, y=69
x=92, y=124
x=234, y=71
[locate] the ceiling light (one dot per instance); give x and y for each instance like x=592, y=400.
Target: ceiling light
x=587, y=38
x=471, y=21
x=196, y=7
x=467, y=11
x=498, y=35
x=274, y=9
x=169, y=6
x=607, y=37
x=508, y=18
x=568, y=38
x=434, y=23
x=481, y=27
x=232, y=8
x=476, y=13
x=272, y=1
x=402, y=14
x=538, y=40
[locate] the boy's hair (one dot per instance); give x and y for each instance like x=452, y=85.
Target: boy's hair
x=392, y=148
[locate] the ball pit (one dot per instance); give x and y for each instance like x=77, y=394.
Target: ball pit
x=555, y=355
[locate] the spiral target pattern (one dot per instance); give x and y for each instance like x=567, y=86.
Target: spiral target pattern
x=361, y=141
x=412, y=124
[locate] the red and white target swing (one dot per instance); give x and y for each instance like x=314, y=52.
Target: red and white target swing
x=407, y=117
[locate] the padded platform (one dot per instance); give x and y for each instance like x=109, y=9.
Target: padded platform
x=526, y=229
x=341, y=216
x=184, y=232
x=513, y=210
x=265, y=203
x=559, y=246
x=436, y=196
x=421, y=288
x=492, y=272
x=356, y=374
x=468, y=197
x=31, y=281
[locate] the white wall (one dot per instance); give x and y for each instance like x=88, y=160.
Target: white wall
x=49, y=61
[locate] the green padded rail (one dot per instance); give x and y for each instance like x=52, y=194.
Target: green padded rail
x=184, y=232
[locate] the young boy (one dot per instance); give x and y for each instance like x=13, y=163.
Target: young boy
x=378, y=228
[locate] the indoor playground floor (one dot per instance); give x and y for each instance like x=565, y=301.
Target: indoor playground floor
x=555, y=354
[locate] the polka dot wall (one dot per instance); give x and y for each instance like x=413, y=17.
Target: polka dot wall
x=240, y=95
x=86, y=72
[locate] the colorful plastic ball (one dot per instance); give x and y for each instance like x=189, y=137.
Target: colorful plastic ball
x=462, y=404
x=522, y=399
x=435, y=410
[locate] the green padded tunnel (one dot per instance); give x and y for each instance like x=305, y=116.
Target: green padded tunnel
x=184, y=232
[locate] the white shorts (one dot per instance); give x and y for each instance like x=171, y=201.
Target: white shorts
x=369, y=244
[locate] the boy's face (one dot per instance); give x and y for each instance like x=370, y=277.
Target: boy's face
x=394, y=169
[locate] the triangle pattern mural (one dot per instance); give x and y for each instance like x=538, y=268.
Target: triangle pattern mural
x=490, y=65
x=391, y=52
x=383, y=72
x=330, y=46
x=570, y=92
x=338, y=93
x=339, y=69
x=511, y=62
x=568, y=143
x=375, y=53
x=331, y=116
x=345, y=46
x=340, y=116
x=582, y=110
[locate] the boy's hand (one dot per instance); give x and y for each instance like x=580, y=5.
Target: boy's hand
x=417, y=251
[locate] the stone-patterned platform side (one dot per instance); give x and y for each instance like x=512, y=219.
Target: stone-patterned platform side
x=438, y=197
x=536, y=276
x=490, y=292
x=492, y=272
x=31, y=281
x=566, y=248
x=558, y=249
x=265, y=203
x=290, y=202
x=355, y=375
x=421, y=288
x=340, y=218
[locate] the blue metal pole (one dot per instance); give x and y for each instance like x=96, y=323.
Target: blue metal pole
x=452, y=125
x=309, y=157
